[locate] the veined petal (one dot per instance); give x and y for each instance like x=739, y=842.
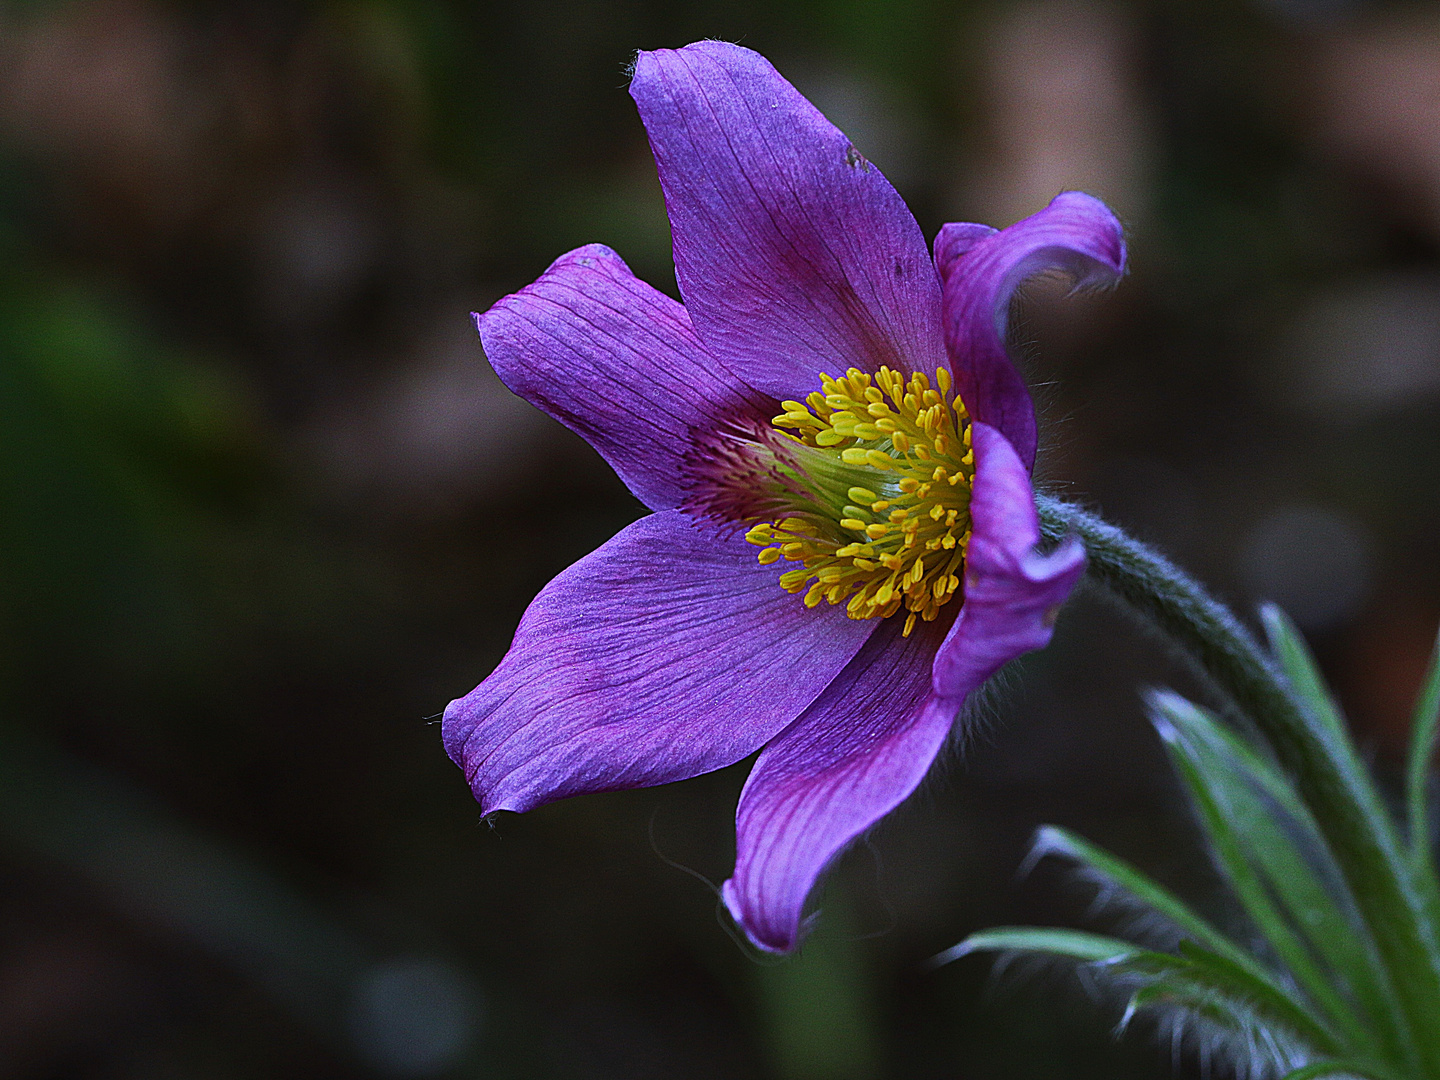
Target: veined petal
x=851, y=758
x=1076, y=233
x=793, y=253
x=615, y=361
x=955, y=239
x=1012, y=592
x=666, y=653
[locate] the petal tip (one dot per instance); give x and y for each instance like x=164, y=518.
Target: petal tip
x=763, y=937
x=454, y=730
x=953, y=240
x=1106, y=232
x=640, y=66
x=648, y=62
x=1068, y=559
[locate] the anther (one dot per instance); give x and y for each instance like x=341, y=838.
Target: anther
x=902, y=432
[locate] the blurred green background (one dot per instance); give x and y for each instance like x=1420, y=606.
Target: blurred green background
x=264, y=510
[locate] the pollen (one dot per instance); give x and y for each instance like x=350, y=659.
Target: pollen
x=885, y=465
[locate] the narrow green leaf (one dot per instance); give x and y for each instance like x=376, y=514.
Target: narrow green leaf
x=1274, y=856
x=1288, y=645
x=1423, y=732
x=1218, y=993
x=1223, y=953
x=1072, y=944
x=1052, y=840
x=1206, y=973
x=1269, y=1000
x=1300, y=669
x=1250, y=1031
x=1406, y=933
x=1338, y=1068
x=1363, y=838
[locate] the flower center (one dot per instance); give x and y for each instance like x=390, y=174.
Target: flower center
x=865, y=485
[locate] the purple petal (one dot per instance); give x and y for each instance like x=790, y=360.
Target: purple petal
x=955, y=239
x=1012, y=592
x=793, y=253
x=851, y=758
x=666, y=653
x=1076, y=233
x=615, y=361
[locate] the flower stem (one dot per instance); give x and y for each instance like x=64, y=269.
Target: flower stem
x=1327, y=772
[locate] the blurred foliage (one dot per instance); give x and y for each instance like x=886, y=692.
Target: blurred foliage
x=263, y=511
x=1310, y=988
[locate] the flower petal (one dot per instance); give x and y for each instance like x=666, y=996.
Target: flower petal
x=666, y=653
x=1012, y=592
x=955, y=239
x=793, y=253
x=615, y=361
x=851, y=758
x=1077, y=233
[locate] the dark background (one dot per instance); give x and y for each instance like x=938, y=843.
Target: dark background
x=264, y=510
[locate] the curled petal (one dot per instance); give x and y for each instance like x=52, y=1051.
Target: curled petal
x=1012, y=591
x=1076, y=233
x=851, y=758
x=615, y=361
x=955, y=239
x=666, y=653
x=793, y=253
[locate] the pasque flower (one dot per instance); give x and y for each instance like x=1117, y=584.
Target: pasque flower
x=836, y=449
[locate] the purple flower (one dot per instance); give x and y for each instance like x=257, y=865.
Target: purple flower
x=827, y=395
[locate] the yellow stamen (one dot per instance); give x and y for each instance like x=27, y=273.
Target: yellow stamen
x=899, y=449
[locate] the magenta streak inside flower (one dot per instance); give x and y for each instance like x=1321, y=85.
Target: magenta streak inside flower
x=821, y=393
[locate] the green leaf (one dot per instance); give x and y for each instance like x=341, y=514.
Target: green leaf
x=1423, y=732
x=1227, y=959
x=1270, y=1001
x=1289, y=647
x=1326, y=769
x=1206, y=974
x=1216, y=959
x=1408, y=936
x=1053, y=840
x=1338, y=1068
x=1305, y=679
x=1072, y=944
x=1253, y=1037
x=1170, y=982
x=1276, y=859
